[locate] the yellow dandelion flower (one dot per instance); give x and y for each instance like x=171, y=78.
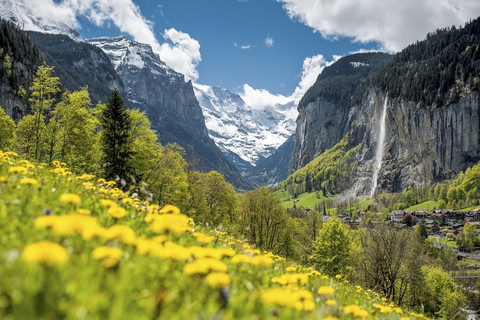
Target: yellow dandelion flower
x=404, y=318
x=121, y=232
x=306, y=305
x=3, y=178
x=117, y=212
x=127, y=201
x=240, y=258
x=174, y=251
x=45, y=252
x=146, y=246
x=170, y=209
x=71, y=198
x=101, y=180
x=174, y=223
x=291, y=269
x=386, y=309
x=262, y=261
x=204, y=266
x=110, y=256
x=398, y=310
x=45, y=221
x=227, y=252
x=83, y=211
x=326, y=290
x=338, y=276
x=330, y=318
x=17, y=169
x=218, y=279
x=56, y=163
x=108, y=203
x=355, y=310
x=202, y=237
x=330, y=302
x=28, y=181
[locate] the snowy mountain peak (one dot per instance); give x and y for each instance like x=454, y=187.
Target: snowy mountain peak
x=241, y=131
x=122, y=50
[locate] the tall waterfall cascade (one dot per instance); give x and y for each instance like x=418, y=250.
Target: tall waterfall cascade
x=380, y=147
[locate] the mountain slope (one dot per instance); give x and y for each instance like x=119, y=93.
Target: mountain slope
x=430, y=97
x=246, y=135
x=79, y=64
x=169, y=103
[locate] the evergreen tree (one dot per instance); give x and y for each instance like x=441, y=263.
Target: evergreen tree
x=116, y=139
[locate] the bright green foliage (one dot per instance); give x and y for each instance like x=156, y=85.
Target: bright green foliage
x=332, y=248
x=263, y=219
x=167, y=178
x=466, y=237
x=440, y=294
x=75, y=141
x=211, y=200
x=116, y=141
x=7, y=131
x=44, y=89
x=26, y=136
x=329, y=172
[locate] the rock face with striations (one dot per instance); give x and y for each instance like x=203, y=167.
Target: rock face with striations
x=169, y=103
x=422, y=145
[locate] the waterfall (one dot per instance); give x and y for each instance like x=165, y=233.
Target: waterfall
x=379, y=151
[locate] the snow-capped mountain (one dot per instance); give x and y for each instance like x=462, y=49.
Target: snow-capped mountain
x=241, y=131
x=169, y=102
x=26, y=18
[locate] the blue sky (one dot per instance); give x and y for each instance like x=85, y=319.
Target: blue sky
x=224, y=42
x=220, y=24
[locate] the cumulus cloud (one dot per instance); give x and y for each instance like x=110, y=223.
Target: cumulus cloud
x=269, y=42
x=394, y=24
x=180, y=52
x=261, y=98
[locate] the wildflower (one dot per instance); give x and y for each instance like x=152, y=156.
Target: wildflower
x=47, y=221
x=170, y=209
x=201, y=252
x=386, y=309
x=3, y=178
x=174, y=223
x=127, y=200
x=227, y=252
x=263, y=261
x=145, y=246
x=124, y=233
x=117, y=212
x=326, y=290
x=291, y=269
x=404, y=318
x=28, y=181
x=203, y=238
x=45, y=252
x=330, y=318
x=17, y=169
x=108, y=203
x=338, y=276
x=110, y=256
x=70, y=198
x=204, y=265
x=240, y=258
x=330, y=302
x=218, y=279
x=56, y=163
x=174, y=251
x=84, y=211
x=73, y=223
x=355, y=310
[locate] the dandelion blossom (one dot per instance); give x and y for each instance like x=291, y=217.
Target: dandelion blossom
x=218, y=279
x=70, y=198
x=117, y=212
x=45, y=252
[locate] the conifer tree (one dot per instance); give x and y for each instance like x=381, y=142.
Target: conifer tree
x=116, y=138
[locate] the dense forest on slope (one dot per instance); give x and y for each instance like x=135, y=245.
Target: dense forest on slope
x=329, y=172
x=19, y=58
x=345, y=82
x=436, y=71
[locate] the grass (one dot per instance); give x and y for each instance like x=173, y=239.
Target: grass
x=307, y=199
x=427, y=205
x=451, y=243
x=77, y=247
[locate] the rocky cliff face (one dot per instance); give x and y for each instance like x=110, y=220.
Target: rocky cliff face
x=169, y=103
x=421, y=145
x=79, y=64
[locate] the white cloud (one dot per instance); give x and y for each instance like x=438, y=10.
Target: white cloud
x=261, y=98
x=182, y=53
x=269, y=42
x=394, y=24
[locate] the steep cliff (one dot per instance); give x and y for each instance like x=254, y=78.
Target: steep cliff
x=19, y=61
x=430, y=129
x=169, y=103
x=79, y=64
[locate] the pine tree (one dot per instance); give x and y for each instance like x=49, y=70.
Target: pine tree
x=116, y=142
